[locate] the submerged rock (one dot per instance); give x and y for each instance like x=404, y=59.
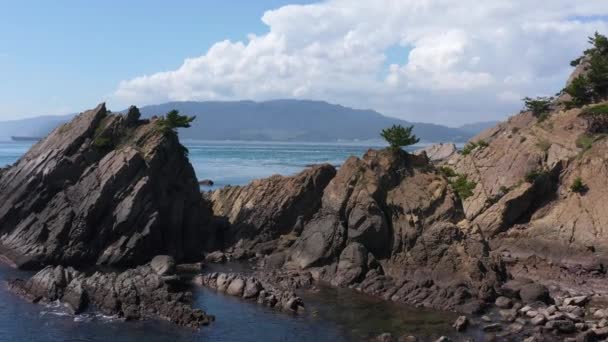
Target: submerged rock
x=250, y=287
x=102, y=189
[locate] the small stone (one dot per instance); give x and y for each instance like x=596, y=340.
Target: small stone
x=443, y=339
x=461, y=323
x=602, y=323
x=163, y=265
x=386, y=337
x=236, y=287
x=562, y=326
x=486, y=318
x=600, y=313
x=215, y=257
x=538, y=320
x=580, y=326
x=493, y=327
x=525, y=309
x=534, y=293
x=503, y=302
x=551, y=310
x=578, y=301
x=532, y=313
x=508, y=315
x=515, y=328
x=557, y=316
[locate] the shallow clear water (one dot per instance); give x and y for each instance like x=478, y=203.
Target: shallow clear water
x=332, y=315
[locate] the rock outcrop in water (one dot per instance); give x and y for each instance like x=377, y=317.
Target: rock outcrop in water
x=386, y=224
x=102, y=189
x=142, y=292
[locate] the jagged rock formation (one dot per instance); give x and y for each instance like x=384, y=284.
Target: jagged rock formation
x=261, y=212
x=102, y=189
x=133, y=294
x=385, y=223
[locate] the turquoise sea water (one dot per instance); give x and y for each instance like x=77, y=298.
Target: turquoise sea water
x=333, y=315
x=237, y=163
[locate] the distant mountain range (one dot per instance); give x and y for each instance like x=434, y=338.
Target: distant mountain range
x=277, y=120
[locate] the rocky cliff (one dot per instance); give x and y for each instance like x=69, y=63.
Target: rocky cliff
x=102, y=189
x=527, y=203
x=386, y=223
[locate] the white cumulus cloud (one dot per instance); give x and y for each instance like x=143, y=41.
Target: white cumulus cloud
x=458, y=61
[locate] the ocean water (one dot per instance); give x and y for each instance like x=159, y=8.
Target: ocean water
x=237, y=163
x=332, y=315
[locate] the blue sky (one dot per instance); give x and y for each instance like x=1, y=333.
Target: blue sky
x=59, y=56
x=413, y=59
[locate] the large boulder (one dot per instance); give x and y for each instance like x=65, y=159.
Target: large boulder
x=104, y=188
x=268, y=208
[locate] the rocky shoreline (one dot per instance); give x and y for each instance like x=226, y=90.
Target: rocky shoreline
x=509, y=231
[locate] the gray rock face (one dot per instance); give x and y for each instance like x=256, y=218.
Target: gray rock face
x=268, y=208
x=438, y=152
x=103, y=188
x=132, y=294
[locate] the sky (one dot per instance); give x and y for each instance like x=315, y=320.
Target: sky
x=443, y=61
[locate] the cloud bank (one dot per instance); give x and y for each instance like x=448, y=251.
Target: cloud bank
x=440, y=61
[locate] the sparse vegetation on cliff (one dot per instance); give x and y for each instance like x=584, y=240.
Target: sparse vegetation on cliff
x=578, y=185
x=534, y=175
x=592, y=85
x=539, y=106
x=599, y=110
x=398, y=136
x=463, y=186
x=103, y=143
x=471, y=146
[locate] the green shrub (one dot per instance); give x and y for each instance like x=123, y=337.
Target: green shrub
x=463, y=187
x=533, y=175
x=598, y=110
x=447, y=171
x=172, y=121
x=578, y=186
x=585, y=142
x=398, y=136
x=593, y=85
x=580, y=91
x=482, y=144
x=540, y=106
x=468, y=148
x=103, y=143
